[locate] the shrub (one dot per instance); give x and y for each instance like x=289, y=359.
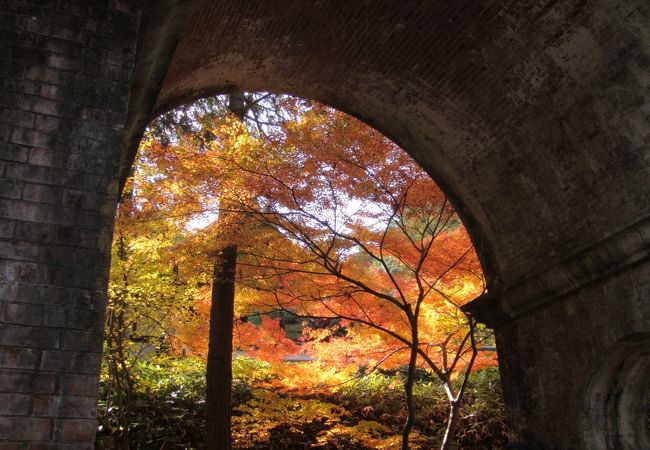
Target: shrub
x=168, y=407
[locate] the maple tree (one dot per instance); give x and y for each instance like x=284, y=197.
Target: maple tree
x=146, y=293
x=332, y=221
x=365, y=236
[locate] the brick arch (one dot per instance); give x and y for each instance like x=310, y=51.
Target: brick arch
x=531, y=114
x=506, y=106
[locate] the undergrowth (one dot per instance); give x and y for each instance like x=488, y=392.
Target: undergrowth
x=168, y=406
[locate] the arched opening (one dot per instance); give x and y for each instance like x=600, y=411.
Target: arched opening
x=616, y=408
x=390, y=170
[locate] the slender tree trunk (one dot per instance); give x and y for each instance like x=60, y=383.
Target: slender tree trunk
x=118, y=352
x=450, y=432
x=455, y=403
x=408, y=390
x=219, y=371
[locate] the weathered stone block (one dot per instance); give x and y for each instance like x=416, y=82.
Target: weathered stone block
x=67, y=318
x=31, y=337
x=11, y=189
x=18, y=118
x=64, y=406
x=12, y=446
x=9, y=152
x=7, y=228
x=36, y=232
x=42, y=193
x=21, y=271
x=18, y=358
x=79, y=384
x=75, y=430
x=70, y=362
x=25, y=428
x=85, y=341
x=34, y=383
x=23, y=314
x=15, y=404
x=50, y=124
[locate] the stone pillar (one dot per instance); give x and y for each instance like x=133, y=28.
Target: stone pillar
x=574, y=346
x=65, y=76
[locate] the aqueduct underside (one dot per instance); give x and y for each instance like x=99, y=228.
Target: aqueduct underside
x=532, y=116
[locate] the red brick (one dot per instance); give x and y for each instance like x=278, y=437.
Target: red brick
x=75, y=430
x=7, y=229
x=88, y=341
x=18, y=358
x=25, y=428
x=19, y=313
x=33, y=337
x=37, y=383
x=12, y=446
x=11, y=189
x=71, y=362
x=80, y=384
x=71, y=317
x=64, y=406
x=42, y=193
x=31, y=138
x=15, y=404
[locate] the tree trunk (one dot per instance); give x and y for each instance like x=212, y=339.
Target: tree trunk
x=408, y=390
x=237, y=103
x=219, y=371
x=450, y=432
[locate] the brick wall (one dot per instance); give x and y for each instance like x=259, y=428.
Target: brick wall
x=530, y=114
x=64, y=84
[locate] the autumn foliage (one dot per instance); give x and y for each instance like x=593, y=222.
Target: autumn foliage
x=339, y=232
